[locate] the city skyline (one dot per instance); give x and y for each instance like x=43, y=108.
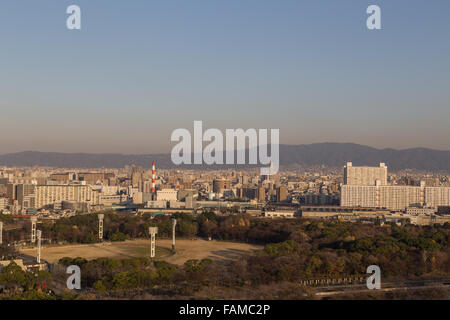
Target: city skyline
x=200, y=155
x=310, y=69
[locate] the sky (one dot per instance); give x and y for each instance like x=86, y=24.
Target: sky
x=139, y=69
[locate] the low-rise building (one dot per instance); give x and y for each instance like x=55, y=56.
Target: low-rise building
x=420, y=210
x=167, y=195
x=279, y=214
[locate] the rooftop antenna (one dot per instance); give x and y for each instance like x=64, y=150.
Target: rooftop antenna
x=101, y=216
x=152, y=231
x=33, y=229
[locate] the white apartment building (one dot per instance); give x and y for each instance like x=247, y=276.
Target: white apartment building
x=365, y=176
x=359, y=196
x=49, y=194
x=437, y=196
x=393, y=197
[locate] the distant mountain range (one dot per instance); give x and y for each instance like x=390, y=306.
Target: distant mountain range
x=328, y=154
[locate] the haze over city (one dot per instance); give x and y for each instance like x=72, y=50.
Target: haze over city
x=138, y=70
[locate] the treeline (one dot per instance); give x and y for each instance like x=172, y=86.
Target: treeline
x=240, y=228
x=308, y=250
x=294, y=250
x=120, y=227
x=119, y=277
x=7, y=252
x=314, y=250
x=327, y=250
x=16, y=283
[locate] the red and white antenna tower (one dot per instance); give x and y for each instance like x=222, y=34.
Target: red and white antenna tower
x=153, y=177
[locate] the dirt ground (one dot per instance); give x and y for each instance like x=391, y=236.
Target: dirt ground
x=185, y=250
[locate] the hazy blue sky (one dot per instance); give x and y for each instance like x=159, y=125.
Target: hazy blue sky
x=140, y=69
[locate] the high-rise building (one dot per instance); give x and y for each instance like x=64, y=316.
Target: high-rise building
x=386, y=196
x=394, y=197
x=11, y=192
x=137, y=176
x=282, y=193
x=50, y=194
x=3, y=203
x=26, y=195
x=221, y=184
x=364, y=176
x=243, y=179
x=261, y=193
x=248, y=193
x=147, y=186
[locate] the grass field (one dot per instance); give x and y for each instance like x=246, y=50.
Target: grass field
x=185, y=250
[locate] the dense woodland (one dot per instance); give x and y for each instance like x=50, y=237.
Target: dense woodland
x=294, y=250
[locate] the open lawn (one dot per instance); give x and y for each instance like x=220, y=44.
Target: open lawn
x=185, y=250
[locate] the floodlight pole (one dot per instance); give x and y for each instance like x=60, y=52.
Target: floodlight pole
x=33, y=229
x=39, y=236
x=152, y=231
x=1, y=233
x=100, y=226
x=174, y=223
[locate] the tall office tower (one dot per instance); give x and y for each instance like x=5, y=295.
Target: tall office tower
x=249, y=193
x=3, y=203
x=11, y=192
x=244, y=180
x=137, y=176
x=220, y=184
x=136, y=179
x=147, y=187
x=282, y=193
x=261, y=193
x=25, y=194
x=365, y=176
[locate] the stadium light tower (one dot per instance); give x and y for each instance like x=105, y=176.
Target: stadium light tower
x=33, y=229
x=152, y=231
x=39, y=236
x=174, y=223
x=1, y=233
x=100, y=226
